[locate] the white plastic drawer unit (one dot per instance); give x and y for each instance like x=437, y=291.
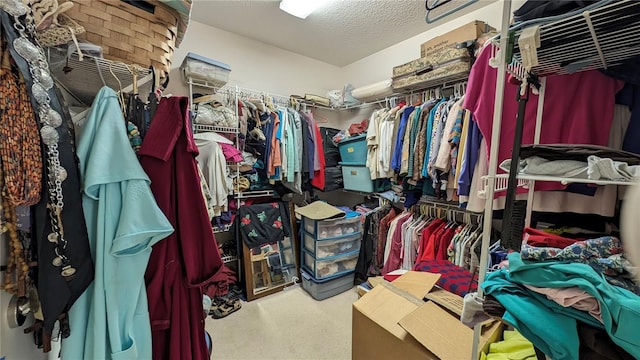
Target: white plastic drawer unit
x=330, y=267
x=324, y=229
x=321, y=249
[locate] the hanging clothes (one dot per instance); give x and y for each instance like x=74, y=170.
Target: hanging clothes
x=188, y=259
x=214, y=167
x=111, y=318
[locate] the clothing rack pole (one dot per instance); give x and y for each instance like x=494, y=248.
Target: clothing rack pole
x=493, y=162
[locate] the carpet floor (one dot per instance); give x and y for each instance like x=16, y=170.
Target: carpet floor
x=289, y=325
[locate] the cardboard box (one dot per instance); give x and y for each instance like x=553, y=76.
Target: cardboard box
x=392, y=321
x=470, y=31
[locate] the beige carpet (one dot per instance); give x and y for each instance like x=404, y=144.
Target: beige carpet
x=287, y=325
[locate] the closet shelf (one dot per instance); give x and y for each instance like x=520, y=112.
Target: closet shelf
x=524, y=181
x=224, y=228
x=229, y=259
x=204, y=84
x=254, y=194
x=211, y=128
x=599, y=38
x=84, y=78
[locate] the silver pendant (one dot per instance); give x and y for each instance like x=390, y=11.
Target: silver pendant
x=39, y=93
x=68, y=272
x=27, y=50
x=43, y=77
x=14, y=8
x=49, y=135
x=54, y=119
x=61, y=174
x=57, y=261
x=53, y=238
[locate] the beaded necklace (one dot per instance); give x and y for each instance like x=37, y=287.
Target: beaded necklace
x=20, y=145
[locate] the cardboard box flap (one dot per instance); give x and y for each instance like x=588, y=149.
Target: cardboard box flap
x=374, y=281
x=416, y=283
x=448, y=300
x=386, y=305
x=441, y=333
x=320, y=210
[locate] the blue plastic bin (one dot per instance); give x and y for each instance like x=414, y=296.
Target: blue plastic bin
x=354, y=150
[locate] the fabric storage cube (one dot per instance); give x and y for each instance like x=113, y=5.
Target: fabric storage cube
x=201, y=68
x=331, y=152
x=332, y=178
x=354, y=150
x=324, y=229
x=356, y=177
x=330, y=267
x=332, y=247
x=323, y=289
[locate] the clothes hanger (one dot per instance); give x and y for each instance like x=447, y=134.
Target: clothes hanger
x=119, y=92
x=100, y=71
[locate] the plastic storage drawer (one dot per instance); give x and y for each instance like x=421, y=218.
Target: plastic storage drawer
x=330, y=267
x=201, y=68
x=354, y=150
x=323, y=229
x=321, y=249
x=323, y=289
x=356, y=178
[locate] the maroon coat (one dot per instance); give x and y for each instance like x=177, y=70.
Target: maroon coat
x=188, y=259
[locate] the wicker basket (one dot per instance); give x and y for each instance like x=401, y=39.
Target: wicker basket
x=127, y=33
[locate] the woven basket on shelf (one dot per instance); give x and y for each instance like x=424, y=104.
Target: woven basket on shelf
x=127, y=33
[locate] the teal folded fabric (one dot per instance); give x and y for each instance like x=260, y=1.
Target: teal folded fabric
x=553, y=333
x=620, y=307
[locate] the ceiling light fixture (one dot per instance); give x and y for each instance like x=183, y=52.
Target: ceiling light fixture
x=300, y=8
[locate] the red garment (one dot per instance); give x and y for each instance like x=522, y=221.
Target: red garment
x=188, y=259
x=382, y=237
x=443, y=245
x=427, y=246
x=540, y=238
x=394, y=261
x=318, y=175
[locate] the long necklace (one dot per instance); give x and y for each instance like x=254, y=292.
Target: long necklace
x=20, y=144
x=15, y=275
x=50, y=120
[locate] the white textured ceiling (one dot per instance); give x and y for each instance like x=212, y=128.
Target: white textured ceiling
x=341, y=32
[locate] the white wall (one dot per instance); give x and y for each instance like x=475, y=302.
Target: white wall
x=255, y=65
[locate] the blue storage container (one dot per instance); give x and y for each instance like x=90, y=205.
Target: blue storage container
x=323, y=289
x=198, y=67
x=354, y=150
x=356, y=177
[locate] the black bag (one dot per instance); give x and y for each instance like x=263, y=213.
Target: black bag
x=331, y=152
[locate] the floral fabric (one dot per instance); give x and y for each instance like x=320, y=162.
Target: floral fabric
x=603, y=254
x=263, y=223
